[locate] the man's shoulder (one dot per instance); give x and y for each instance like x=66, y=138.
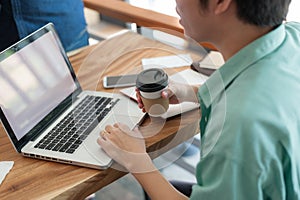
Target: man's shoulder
x=293, y=32
x=295, y=25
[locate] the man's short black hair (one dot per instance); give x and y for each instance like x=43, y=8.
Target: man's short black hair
x=260, y=12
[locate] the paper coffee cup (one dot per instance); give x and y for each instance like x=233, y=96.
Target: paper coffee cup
x=151, y=83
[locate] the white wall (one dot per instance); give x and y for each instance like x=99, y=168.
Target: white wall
x=294, y=11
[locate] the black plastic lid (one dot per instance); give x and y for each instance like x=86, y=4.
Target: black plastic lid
x=152, y=80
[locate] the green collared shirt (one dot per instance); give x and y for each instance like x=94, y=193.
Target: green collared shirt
x=250, y=126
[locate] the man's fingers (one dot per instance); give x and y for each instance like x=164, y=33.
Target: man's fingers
x=103, y=134
x=108, y=146
x=109, y=128
x=103, y=142
x=123, y=127
x=166, y=94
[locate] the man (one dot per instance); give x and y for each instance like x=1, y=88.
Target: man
x=20, y=18
x=250, y=120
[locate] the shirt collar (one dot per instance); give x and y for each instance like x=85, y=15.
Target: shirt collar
x=248, y=55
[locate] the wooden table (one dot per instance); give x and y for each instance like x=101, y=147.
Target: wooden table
x=38, y=179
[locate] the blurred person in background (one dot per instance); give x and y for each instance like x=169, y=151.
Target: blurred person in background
x=19, y=18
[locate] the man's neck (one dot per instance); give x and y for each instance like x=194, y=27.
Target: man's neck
x=239, y=36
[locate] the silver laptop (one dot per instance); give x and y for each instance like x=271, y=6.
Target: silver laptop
x=45, y=112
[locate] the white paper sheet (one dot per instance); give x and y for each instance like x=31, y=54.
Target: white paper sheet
x=179, y=60
x=5, y=167
x=189, y=77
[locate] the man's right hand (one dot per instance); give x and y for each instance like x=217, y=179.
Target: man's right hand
x=176, y=93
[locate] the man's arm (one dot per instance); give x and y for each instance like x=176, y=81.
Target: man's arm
x=156, y=186
x=114, y=141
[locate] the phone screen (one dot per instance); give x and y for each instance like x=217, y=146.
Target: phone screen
x=120, y=81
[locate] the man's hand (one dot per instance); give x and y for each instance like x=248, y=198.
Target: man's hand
x=126, y=147
x=176, y=93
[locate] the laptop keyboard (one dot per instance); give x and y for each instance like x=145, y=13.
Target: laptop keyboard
x=71, y=131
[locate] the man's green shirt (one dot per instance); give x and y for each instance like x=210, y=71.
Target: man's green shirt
x=250, y=126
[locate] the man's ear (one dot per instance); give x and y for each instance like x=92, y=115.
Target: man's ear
x=221, y=6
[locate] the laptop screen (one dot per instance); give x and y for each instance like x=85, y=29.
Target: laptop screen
x=34, y=80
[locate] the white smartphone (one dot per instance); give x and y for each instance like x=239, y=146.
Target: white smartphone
x=119, y=81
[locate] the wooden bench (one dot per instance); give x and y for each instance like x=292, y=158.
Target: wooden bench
x=125, y=12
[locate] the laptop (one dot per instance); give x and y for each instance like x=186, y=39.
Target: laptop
x=44, y=110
